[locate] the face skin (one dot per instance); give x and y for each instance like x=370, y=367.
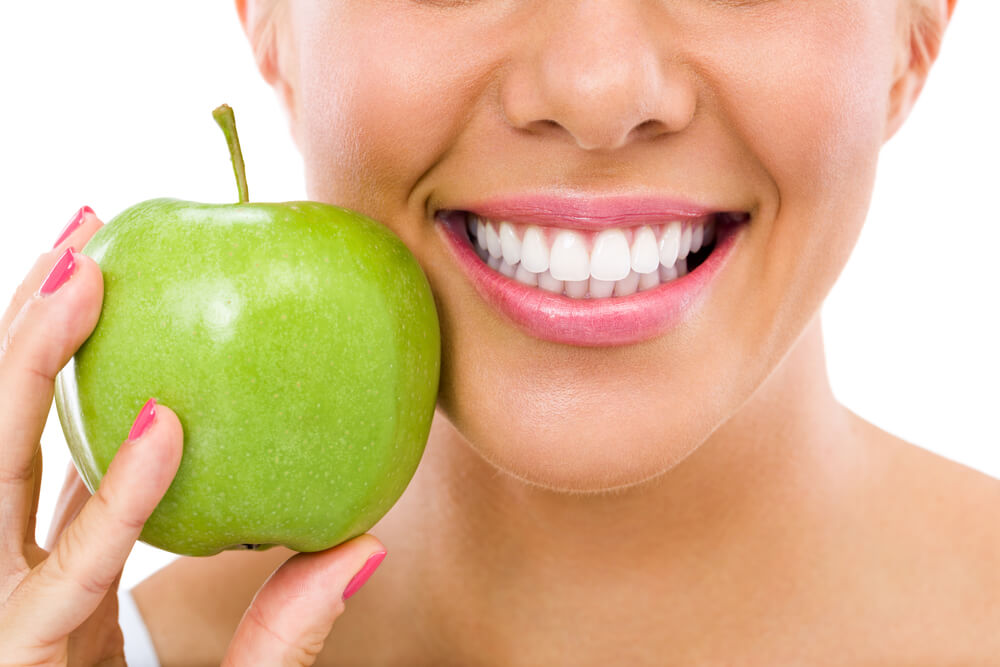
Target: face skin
x=401, y=108
x=775, y=107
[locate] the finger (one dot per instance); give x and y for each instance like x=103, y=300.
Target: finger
x=292, y=614
x=36, y=483
x=73, y=496
x=83, y=225
x=40, y=341
x=65, y=589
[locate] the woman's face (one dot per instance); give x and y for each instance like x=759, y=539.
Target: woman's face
x=776, y=108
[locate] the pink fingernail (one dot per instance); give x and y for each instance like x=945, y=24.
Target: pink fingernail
x=60, y=273
x=362, y=576
x=74, y=222
x=144, y=420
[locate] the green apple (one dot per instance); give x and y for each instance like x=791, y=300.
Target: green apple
x=299, y=345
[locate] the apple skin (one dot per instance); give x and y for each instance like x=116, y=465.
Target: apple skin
x=299, y=345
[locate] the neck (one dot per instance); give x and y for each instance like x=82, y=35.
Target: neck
x=784, y=461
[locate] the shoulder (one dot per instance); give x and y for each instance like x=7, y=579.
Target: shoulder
x=936, y=544
x=952, y=505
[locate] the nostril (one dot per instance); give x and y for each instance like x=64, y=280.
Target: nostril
x=649, y=128
x=545, y=125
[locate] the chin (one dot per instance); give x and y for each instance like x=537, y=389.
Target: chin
x=573, y=451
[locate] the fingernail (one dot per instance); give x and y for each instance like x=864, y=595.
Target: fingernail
x=60, y=273
x=362, y=576
x=74, y=222
x=144, y=420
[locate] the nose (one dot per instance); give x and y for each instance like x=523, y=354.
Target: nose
x=593, y=70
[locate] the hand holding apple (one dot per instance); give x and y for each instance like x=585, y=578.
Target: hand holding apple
x=299, y=345
x=59, y=603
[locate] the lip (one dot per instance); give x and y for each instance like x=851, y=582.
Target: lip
x=591, y=322
x=588, y=213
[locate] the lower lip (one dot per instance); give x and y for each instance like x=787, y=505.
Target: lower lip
x=590, y=322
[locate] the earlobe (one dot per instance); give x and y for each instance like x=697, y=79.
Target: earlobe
x=921, y=29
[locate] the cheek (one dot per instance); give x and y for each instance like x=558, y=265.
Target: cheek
x=365, y=145
x=812, y=109
x=814, y=112
x=822, y=138
x=811, y=101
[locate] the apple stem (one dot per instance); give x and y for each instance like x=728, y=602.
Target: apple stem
x=227, y=121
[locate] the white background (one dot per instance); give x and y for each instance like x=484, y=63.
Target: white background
x=108, y=102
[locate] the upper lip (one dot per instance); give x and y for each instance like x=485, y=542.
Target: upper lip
x=588, y=213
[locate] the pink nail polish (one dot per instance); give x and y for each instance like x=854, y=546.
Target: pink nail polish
x=362, y=576
x=60, y=273
x=74, y=222
x=144, y=420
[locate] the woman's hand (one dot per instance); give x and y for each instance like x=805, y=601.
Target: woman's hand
x=59, y=605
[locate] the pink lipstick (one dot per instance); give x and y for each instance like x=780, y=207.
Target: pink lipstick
x=592, y=322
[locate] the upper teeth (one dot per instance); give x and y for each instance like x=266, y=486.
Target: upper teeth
x=608, y=255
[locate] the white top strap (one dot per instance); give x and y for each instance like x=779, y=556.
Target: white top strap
x=139, y=650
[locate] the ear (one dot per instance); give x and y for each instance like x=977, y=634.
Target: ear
x=265, y=24
x=921, y=28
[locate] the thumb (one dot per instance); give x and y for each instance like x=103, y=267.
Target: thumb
x=294, y=611
x=71, y=500
x=64, y=590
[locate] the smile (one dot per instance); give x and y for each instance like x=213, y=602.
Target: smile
x=614, y=262
x=597, y=274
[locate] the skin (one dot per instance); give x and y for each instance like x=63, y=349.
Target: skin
x=730, y=510
x=58, y=603
x=735, y=508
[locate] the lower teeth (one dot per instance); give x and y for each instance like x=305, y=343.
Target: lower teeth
x=592, y=287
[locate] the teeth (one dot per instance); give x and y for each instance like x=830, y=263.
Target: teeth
x=569, y=259
x=534, y=250
x=577, y=288
x=696, y=237
x=670, y=244
x=525, y=276
x=509, y=244
x=493, y=241
x=613, y=267
x=668, y=272
x=649, y=280
x=627, y=285
x=609, y=260
x=685, y=245
x=600, y=289
x=481, y=233
x=644, y=256
x=547, y=282
x=506, y=269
